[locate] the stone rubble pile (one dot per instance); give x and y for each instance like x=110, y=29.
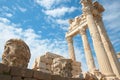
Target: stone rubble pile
x=62, y=67
x=57, y=65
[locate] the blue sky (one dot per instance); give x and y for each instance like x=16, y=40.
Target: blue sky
x=42, y=24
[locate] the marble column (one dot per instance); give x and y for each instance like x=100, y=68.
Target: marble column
x=87, y=50
x=108, y=46
x=71, y=48
x=103, y=61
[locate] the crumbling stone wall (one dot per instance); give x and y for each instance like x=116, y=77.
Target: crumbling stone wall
x=17, y=73
x=57, y=65
x=43, y=63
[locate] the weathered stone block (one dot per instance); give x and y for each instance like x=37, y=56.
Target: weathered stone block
x=76, y=79
x=29, y=79
x=5, y=77
x=75, y=63
x=45, y=71
x=4, y=69
x=21, y=72
x=71, y=79
x=48, y=61
x=16, y=78
x=38, y=75
x=15, y=71
x=48, y=67
x=56, y=77
x=47, y=76
x=27, y=73
x=64, y=78
x=42, y=65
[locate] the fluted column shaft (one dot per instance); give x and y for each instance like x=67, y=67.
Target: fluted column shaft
x=87, y=50
x=103, y=61
x=71, y=48
x=108, y=46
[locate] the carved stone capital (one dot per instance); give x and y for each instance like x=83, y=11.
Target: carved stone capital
x=87, y=10
x=98, y=18
x=86, y=2
x=86, y=6
x=69, y=39
x=82, y=31
x=98, y=7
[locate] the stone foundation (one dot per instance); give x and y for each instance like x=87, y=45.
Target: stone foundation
x=15, y=73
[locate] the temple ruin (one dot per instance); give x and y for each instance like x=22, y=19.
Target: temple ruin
x=51, y=66
x=91, y=19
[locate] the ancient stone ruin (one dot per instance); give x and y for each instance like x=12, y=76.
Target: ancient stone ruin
x=91, y=19
x=51, y=66
x=16, y=53
x=57, y=65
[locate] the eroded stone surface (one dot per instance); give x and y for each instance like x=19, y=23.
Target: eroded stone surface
x=57, y=65
x=16, y=53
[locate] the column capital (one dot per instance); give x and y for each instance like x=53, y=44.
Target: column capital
x=86, y=10
x=82, y=31
x=86, y=6
x=69, y=39
x=85, y=2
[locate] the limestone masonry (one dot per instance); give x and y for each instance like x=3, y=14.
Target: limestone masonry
x=57, y=65
x=17, y=73
x=51, y=66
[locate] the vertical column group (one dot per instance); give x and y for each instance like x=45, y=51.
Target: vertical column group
x=87, y=50
x=108, y=46
x=102, y=57
x=107, y=59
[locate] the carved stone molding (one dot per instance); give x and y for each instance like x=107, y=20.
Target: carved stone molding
x=82, y=31
x=69, y=39
x=86, y=6
x=86, y=10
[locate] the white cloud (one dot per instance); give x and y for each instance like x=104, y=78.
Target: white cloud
x=112, y=12
x=45, y=3
x=62, y=21
x=22, y=9
x=63, y=24
x=58, y=12
x=4, y=20
x=5, y=8
x=8, y=14
x=48, y=4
